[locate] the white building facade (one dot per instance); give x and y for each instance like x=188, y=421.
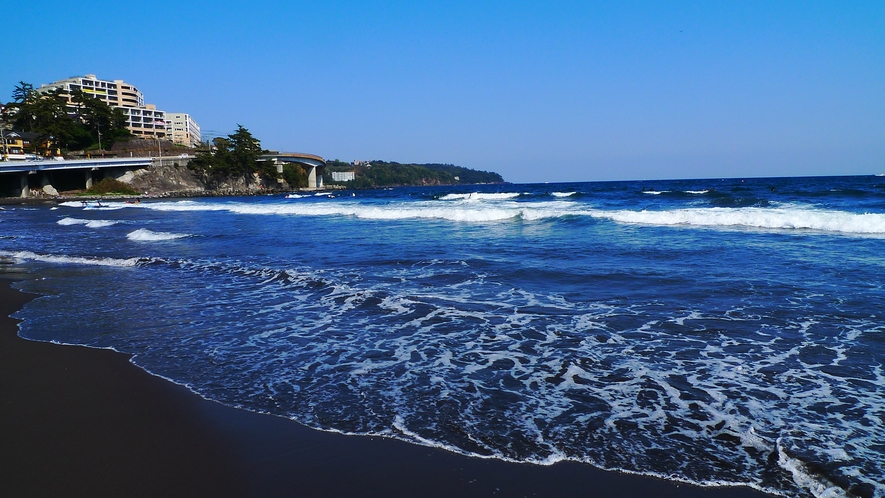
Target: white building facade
x=182, y=129
x=343, y=176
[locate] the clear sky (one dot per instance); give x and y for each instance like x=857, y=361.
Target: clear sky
x=537, y=91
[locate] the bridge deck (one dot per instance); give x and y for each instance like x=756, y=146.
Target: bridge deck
x=53, y=165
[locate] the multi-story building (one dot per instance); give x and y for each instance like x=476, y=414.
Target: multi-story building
x=143, y=120
x=146, y=121
x=182, y=129
x=343, y=176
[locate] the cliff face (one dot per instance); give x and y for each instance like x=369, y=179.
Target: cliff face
x=178, y=179
x=173, y=178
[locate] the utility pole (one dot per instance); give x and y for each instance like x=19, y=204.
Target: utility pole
x=4, y=156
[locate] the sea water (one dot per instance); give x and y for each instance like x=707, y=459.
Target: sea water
x=718, y=332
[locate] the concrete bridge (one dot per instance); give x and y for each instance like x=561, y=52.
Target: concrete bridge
x=42, y=169
x=313, y=164
x=32, y=172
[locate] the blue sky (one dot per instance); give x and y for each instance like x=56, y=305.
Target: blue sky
x=537, y=91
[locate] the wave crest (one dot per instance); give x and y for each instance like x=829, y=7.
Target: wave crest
x=145, y=235
x=87, y=223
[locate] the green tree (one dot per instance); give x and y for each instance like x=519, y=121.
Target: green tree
x=245, y=152
x=63, y=125
x=295, y=176
x=105, y=124
x=238, y=154
x=47, y=116
x=24, y=93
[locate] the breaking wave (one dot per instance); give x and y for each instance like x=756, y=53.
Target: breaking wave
x=787, y=217
x=145, y=235
x=87, y=223
x=74, y=260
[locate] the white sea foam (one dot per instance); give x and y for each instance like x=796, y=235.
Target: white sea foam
x=817, y=485
x=563, y=194
x=480, y=196
x=145, y=235
x=784, y=218
x=87, y=223
x=76, y=260
x=93, y=205
x=386, y=212
x=181, y=206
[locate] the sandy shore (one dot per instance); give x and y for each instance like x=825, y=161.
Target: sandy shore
x=85, y=422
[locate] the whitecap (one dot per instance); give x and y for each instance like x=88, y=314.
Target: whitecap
x=480, y=196
x=784, y=218
x=64, y=259
x=145, y=235
x=87, y=223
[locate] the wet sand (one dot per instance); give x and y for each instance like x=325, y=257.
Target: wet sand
x=84, y=422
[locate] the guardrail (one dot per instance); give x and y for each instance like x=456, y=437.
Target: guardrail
x=116, y=162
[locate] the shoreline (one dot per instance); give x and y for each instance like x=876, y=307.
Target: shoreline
x=78, y=420
x=184, y=194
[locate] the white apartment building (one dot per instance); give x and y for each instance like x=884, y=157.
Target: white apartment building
x=182, y=129
x=143, y=120
x=343, y=176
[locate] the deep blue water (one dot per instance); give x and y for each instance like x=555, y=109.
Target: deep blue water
x=712, y=331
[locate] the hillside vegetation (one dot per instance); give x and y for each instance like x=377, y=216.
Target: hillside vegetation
x=388, y=174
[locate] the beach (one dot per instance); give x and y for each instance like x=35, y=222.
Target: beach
x=78, y=421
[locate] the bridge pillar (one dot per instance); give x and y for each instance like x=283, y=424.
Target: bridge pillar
x=312, y=177
x=26, y=190
x=88, y=179
x=279, y=165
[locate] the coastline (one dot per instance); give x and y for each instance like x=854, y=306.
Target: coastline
x=77, y=420
x=183, y=194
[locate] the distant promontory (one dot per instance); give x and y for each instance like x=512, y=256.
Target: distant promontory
x=372, y=174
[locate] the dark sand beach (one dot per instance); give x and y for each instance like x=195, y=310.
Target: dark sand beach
x=85, y=422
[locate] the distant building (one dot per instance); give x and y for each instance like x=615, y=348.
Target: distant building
x=343, y=176
x=143, y=120
x=16, y=145
x=116, y=93
x=182, y=129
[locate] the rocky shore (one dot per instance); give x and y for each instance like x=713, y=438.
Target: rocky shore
x=162, y=182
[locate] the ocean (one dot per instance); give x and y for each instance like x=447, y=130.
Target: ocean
x=716, y=331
